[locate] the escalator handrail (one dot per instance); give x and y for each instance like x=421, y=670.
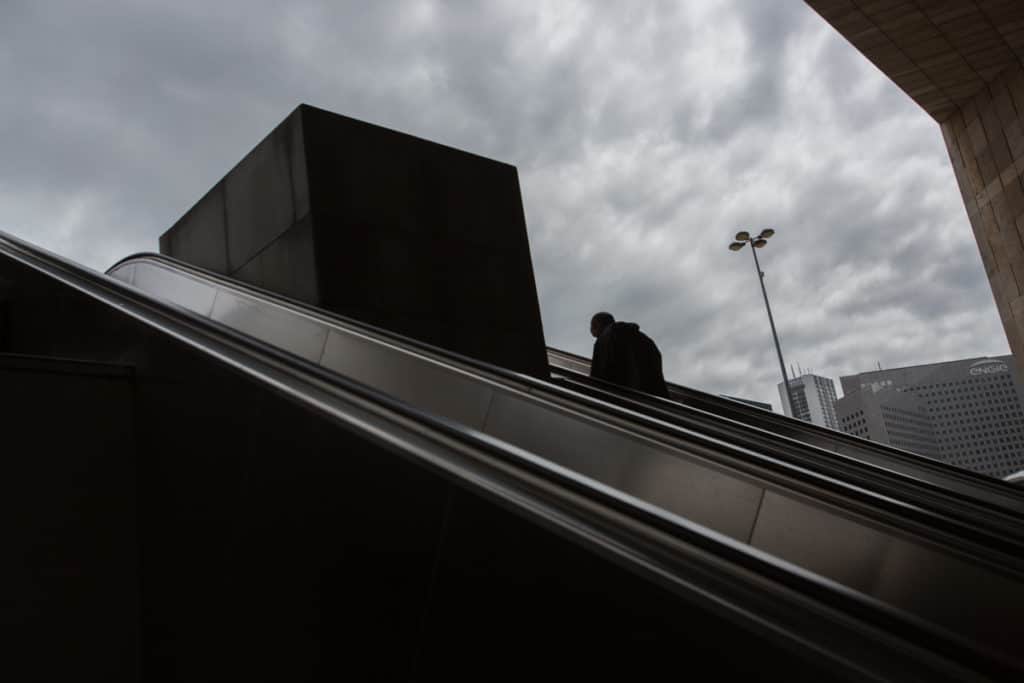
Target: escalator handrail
x=973, y=478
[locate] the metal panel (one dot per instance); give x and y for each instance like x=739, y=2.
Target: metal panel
x=124, y=273
x=179, y=289
x=982, y=601
x=847, y=551
x=428, y=386
x=967, y=597
x=280, y=327
x=655, y=473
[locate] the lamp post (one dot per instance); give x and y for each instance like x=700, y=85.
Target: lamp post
x=759, y=242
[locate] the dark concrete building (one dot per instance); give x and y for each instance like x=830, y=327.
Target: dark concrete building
x=963, y=62
x=392, y=230
x=967, y=412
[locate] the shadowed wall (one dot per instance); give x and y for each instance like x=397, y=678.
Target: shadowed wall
x=398, y=232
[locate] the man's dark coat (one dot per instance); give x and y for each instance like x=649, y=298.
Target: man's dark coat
x=625, y=355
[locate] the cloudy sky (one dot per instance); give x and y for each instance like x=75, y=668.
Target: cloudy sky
x=646, y=134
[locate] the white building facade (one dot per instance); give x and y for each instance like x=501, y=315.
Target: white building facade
x=813, y=399
x=975, y=407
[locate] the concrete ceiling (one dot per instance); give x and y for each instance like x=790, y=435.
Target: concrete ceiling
x=940, y=52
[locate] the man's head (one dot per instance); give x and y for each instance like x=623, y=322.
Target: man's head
x=600, y=322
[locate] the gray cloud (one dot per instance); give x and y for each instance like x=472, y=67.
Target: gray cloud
x=645, y=135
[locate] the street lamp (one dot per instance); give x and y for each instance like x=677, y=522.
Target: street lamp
x=759, y=242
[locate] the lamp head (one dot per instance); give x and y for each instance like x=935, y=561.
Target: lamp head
x=736, y=246
x=760, y=242
x=766, y=233
x=742, y=236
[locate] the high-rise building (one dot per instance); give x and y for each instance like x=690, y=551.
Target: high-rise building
x=813, y=399
x=890, y=416
x=966, y=412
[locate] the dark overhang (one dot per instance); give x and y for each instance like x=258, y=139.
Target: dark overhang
x=940, y=52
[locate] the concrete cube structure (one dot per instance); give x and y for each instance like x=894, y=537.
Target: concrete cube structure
x=393, y=230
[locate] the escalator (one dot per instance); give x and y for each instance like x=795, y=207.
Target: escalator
x=841, y=455
x=886, y=534
x=825, y=445
x=319, y=498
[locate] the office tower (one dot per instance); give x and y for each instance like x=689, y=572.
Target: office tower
x=813, y=400
x=973, y=406
x=894, y=417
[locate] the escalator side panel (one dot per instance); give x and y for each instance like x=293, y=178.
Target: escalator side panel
x=67, y=498
x=894, y=568
x=854, y=551
x=693, y=490
x=301, y=336
x=186, y=292
x=430, y=387
x=563, y=609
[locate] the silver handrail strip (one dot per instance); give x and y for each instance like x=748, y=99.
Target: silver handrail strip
x=944, y=488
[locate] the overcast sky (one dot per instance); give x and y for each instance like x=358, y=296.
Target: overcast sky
x=646, y=134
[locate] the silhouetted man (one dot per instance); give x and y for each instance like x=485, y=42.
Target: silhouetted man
x=625, y=355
